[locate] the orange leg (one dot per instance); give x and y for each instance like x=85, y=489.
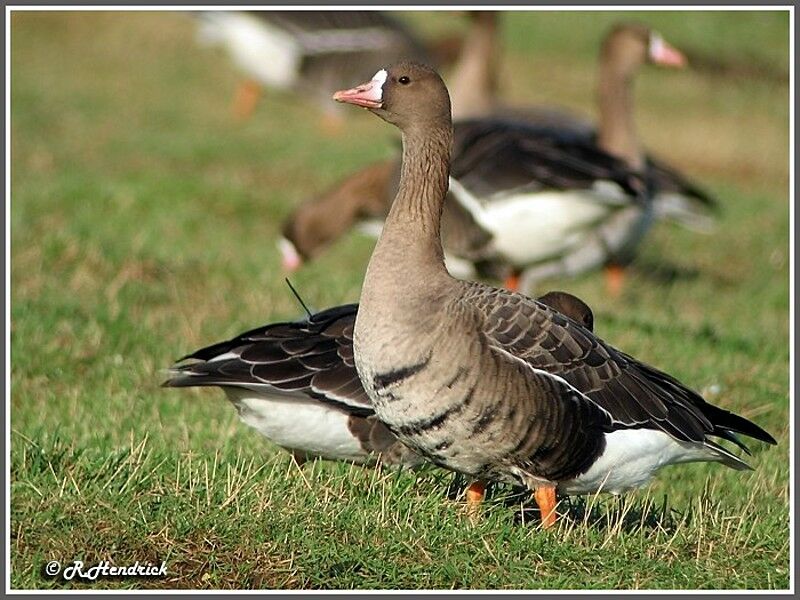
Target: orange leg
x=512, y=282
x=546, y=500
x=247, y=95
x=615, y=277
x=475, y=493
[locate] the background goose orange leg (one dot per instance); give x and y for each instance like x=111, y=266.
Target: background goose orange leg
x=247, y=95
x=546, y=500
x=615, y=277
x=512, y=282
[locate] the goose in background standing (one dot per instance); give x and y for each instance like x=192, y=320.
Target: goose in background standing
x=473, y=239
x=625, y=49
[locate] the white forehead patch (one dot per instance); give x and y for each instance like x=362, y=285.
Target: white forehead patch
x=380, y=77
x=656, y=45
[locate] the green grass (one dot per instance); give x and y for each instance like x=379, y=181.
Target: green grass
x=143, y=226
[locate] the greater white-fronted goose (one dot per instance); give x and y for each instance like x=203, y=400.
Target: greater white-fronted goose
x=363, y=196
x=309, y=52
x=626, y=48
x=296, y=384
x=491, y=383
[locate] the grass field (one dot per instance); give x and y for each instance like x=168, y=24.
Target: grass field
x=143, y=222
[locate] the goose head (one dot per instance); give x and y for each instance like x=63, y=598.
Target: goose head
x=571, y=306
x=407, y=94
x=631, y=45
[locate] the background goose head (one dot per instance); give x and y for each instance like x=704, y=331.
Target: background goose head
x=628, y=46
x=571, y=306
x=625, y=48
x=407, y=94
x=363, y=196
x=306, y=232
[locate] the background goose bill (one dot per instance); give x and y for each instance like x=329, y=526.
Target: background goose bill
x=661, y=53
x=291, y=260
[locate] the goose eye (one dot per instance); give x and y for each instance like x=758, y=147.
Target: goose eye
x=404, y=80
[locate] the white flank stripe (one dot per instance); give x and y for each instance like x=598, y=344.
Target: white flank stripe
x=529, y=227
x=631, y=458
x=224, y=356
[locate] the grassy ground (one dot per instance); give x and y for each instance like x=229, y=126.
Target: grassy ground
x=143, y=225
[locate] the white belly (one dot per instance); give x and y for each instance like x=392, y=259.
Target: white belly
x=631, y=458
x=533, y=227
x=530, y=227
x=294, y=424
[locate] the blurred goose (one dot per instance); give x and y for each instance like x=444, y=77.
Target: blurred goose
x=363, y=198
x=296, y=384
x=309, y=52
x=493, y=384
x=522, y=199
x=528, y=200
x=625, y=49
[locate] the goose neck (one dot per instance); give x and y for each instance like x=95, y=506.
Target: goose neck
x=474, y=83
x=617, y=128
x=412, y=229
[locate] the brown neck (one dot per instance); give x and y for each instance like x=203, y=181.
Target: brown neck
x=473, y=86
x=617, y=129
x=411, y=234
x=363, y=194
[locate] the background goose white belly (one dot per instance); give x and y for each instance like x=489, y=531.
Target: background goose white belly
x=296, y=424
x=532, y=227
x=265, y=51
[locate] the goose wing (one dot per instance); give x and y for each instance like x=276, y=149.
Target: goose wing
x=494, y=156
x=338, y=32
x=310, y=358
x=634, y=394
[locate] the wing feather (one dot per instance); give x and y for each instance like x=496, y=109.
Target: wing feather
x=309, y=358
x=634, y=394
